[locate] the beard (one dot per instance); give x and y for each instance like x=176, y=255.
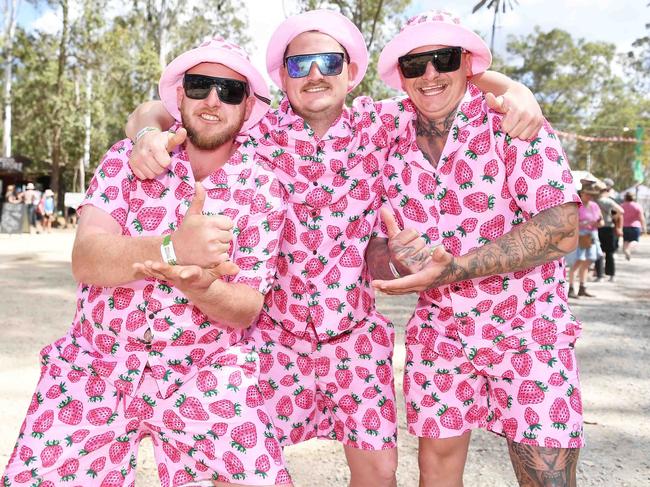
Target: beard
x=206, y=139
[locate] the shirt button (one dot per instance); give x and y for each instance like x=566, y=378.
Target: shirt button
x=314, y=214
x=147, y=347
x=442, y=212
x=455, y=288
x=152, y=316
x=315, y=183
x=314, y=252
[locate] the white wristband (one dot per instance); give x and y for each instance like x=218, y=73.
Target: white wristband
x=142, y=131
x=393, y=269
x=167, y=250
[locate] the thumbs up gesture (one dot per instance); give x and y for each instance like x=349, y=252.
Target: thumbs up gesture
x=202, y=240
x=407, y=249
x=150, y=155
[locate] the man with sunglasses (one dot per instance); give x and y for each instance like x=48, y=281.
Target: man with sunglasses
x=166, y=357
x=491, y=342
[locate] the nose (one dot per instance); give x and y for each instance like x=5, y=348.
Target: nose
x=314, y=72
x=213, y=98
x=430, y=72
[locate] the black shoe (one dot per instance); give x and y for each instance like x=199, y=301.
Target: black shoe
x=572, y=293
x=582, y=291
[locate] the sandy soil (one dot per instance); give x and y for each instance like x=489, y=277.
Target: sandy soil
x=37, y=303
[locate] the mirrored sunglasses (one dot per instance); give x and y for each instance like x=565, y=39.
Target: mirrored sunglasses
x=230, y=91
x=445, y=60
x=329, y=64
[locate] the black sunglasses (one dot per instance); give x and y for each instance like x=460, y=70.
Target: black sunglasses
x=230, y=91
x=445, y=60
x=329, y=63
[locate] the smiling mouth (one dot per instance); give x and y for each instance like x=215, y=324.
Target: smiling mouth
x=208, y=117
x=316, y=89
x=433, y=90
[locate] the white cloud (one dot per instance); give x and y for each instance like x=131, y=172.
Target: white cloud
x=49, y=22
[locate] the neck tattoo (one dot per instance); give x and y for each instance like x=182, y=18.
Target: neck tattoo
x=435, y=128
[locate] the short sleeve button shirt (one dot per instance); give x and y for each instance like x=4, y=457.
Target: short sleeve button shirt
x=108, y=332
x=484, y=185
x=335, y=189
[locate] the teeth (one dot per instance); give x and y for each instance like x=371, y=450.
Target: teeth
x=432, y=89
x=212, y=118
x=316, y=90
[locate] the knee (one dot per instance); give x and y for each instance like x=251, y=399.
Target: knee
x=377, y=469
x=442, y=463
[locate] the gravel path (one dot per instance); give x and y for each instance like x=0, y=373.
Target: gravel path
x=37, y=303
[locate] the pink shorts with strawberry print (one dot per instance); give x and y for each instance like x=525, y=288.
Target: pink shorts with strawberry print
x=342, y=389
x=215, y=427
x=529, y=396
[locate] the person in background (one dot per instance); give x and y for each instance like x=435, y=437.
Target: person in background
x=47, y=209
x=31, y=199
x=607, y=232
x=12, y=195
x=590, y=219
x=634, y=224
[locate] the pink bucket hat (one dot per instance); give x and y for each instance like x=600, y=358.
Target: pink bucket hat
x=328, y=22
x=435, y=27
x=216, y=50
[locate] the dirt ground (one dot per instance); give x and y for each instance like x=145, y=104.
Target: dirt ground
x=37, y=303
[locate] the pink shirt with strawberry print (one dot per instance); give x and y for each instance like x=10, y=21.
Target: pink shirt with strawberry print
x=108, y=331
x=335, y=189
x=485, y=184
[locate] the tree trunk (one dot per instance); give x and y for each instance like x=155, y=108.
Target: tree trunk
x=88, y=126
x=10, y=15
x=58, y=107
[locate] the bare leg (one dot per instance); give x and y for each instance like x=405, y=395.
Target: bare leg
x=537, y=466
x=442, y=461
x=372, y=468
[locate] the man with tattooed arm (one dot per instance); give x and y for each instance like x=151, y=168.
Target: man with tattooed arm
x=491, y=342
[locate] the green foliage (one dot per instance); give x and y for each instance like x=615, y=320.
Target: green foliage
x=580, y=92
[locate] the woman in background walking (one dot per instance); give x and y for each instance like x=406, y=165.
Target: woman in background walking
x=634, y=224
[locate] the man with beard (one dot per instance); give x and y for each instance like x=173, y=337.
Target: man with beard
x=326, y=351
x=491, y=342
x=167, y=357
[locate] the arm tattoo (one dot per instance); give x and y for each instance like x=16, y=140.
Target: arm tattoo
x=539, y=466
x=547, y=236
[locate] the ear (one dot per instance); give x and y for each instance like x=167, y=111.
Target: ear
x=467, y=60
x=283, y=78
x=180, y=94
x=250, y=102
x=353, y=70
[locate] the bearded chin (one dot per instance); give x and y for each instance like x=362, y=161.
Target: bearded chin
x=211, y=141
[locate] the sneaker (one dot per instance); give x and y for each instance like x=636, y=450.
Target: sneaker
x=582, y=291
x=627, y=254
x=572, y=293
x=611, y=279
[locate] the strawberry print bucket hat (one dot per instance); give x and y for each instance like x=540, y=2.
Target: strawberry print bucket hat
x=434, y=27
x=328, y=22
x=220, y=51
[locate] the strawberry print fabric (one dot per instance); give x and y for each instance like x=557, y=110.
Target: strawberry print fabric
x=342, y=389
x=512, y=333
x=118, y=333
x=81, y=430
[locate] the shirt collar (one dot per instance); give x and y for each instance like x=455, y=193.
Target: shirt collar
x=342, y=126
